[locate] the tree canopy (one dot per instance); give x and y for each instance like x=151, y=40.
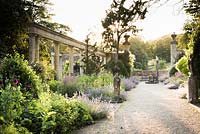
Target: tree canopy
x=120, y=20
x=15, y=16
x=139, y=49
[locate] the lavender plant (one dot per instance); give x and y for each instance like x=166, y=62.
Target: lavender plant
x=128, y=84
x=98, y=109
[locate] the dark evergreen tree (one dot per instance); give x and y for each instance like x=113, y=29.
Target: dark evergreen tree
x=15, y=18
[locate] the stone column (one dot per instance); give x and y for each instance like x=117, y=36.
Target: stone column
x=173, y=52
x=56, y=59
x=71, y=61
x=81, y=62
x=32, y=42
x=52, y=59
x=104, y=60
x=37, y=49
x=60, y=66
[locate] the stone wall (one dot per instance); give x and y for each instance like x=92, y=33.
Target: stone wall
x=144, y=75
x=148, y=73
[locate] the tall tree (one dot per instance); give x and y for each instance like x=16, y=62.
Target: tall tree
x=92, y=63
x=13, y=26
x=193, y=8
x=119, y=20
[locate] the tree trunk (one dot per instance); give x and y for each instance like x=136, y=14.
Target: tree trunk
x=194, y=63
x=193, y=89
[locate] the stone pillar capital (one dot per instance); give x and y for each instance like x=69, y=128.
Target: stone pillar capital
x=33, y=35
x=56, y=42
x=71, y=47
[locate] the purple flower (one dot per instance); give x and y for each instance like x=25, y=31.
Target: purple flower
x=16, y=81
x=69, y=79
x=28, y=86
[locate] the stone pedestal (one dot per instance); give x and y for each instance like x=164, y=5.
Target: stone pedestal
x=116, y=85
x=173, y=51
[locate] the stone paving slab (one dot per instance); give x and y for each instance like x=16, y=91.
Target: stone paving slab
x=150, y=109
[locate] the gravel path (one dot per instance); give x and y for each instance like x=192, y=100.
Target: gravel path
x=150, y=109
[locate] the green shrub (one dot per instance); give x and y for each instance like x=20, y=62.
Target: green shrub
x=182, y=66
x=69, y=89
x=162, y=64
x=103, y=79
x=12, y=129
x=37, y=115
x=8, y=129
x=53, y=113
x=44, y=70
x=84, y=117
x=11, y=105
x=15, y=70
x=64, y=88
x=33, y=116
x=39, y=69
x=110, y=66
x=86, y=81
x=55, y=85
x=127, y=62
x=11, y=101
x=70, y=114
x=172, y=71
x=49, y=123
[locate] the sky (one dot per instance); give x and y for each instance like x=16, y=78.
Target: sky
x=84, y=16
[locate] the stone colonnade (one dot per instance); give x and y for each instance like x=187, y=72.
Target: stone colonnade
x=34, y=45
x=37, y=31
